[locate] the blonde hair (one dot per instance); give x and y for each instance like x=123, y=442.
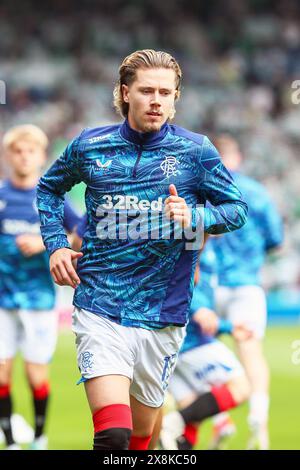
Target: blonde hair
x=25, y=132
x=144, y=59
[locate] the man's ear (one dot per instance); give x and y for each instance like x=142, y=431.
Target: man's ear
x=125, y=92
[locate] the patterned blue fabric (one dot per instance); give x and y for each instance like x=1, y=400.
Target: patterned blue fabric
x=138, y=282
x=25, y=282
x=241, y=254
x=81, y=227
x=203, y=296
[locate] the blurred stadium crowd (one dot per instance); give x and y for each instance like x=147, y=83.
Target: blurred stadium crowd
x=239, y=59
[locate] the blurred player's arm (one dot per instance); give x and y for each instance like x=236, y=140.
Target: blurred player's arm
x=272, y=225
x=212, y=325
x=227, y=210
x=59, y=179
x=32, y=244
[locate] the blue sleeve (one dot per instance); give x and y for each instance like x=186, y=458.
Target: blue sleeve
x=225, y=327
x=227, y=210
x=82, y=226
x=59, y=179
x=271, y=225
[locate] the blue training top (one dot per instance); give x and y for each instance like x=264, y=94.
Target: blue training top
x=126, y=275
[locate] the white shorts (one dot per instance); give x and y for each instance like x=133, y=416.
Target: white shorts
x=146, y=357
x=33, y=333
x=245, y=304
x=202, y=368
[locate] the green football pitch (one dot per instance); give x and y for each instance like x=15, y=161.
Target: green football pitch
x=70, y=425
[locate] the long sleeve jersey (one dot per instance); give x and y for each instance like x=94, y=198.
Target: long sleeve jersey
x=134, y=277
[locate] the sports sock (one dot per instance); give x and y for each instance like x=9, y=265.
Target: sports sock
x=5, y=413
x=189, y=438
x=259, y=409
x=139, y=443
x=40, y=404
x=190, y=434
x=208, y=404
x=112, y=427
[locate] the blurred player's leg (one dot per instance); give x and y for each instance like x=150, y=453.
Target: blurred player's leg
x=38, y=379
x=37, y=344
x=184, y=442
x=247, y=305
x=252, y=357
x=219, y=398
x=188, y=439
x=219, y=380
x=223, y=429
x=8, y=347
x=22, y=431
x=6, y=402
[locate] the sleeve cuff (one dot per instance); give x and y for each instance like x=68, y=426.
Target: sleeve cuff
x=197, y=218
x=59, y=242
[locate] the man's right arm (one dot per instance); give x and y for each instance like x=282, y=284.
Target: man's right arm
x=59, y=179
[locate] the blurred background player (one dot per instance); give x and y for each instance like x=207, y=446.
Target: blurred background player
x=207, y=378
x=27, y=320
x=240, y=297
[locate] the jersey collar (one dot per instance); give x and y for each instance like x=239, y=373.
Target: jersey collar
x=147, y=139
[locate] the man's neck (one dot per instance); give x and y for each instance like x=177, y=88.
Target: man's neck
x=132, y=124
x=146, y=139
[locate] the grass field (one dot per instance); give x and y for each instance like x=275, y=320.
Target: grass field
x=70, y=426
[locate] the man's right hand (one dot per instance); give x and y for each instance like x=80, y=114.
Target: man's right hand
x=62, y=268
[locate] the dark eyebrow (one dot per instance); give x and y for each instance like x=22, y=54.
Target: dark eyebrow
x=141, y=87
x=151, y=88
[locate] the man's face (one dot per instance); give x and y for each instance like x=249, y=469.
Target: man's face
x=151, y=99
x=25, y=158
x=231, y=155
